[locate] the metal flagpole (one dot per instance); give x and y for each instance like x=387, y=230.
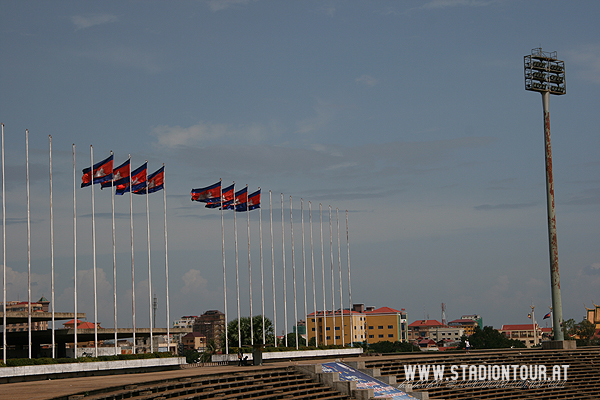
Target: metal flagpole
x=224, y=275
x=273, y=270
x=312, y=263
x=323, y=273
x=114, y=248
x=94, y=254
x=262, y=276
x=132, y=259
x=166, y=261
x=149, y=264
x=52, y=251
x=237, y=273
x=284, y=286
x=249, y=271
x=75, y=251
x=337, y=218
x=294, y=271
x=304, y=269
x=3, y=254
x=349, y=284
x=332, y=278
x=28, y=249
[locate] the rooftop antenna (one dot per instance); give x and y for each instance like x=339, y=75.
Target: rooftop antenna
x=154, y=307
x=444, y=313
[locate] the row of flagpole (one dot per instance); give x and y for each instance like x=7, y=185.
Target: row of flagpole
x=99, y=173
x=216, y=196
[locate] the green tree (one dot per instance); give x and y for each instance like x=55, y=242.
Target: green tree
x=490, y=338
x=232, y=331
x=586, y=331
x=291, y=339
x=211, y=348
x=569, y=329
x=392, y=347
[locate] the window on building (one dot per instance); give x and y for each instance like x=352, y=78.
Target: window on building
x=313, y=329
x=390, y=335
x=312, y=320
x=337, y=337
x=370, y=327
x=380, y=336
x=380, y=327
x=390, y=326
x=328, y=328
x=337, y=328
x=328, y=337
x=371, y=336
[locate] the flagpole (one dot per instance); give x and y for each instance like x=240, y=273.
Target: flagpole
x=332, y=278
x=237, y=272
x=312, y=263
x=224, y=275
x=52, y=250
x=337, y=217
x=28, y=249
x=323, y=273
x=3, y=254
x=149, y=264
x=262, y=276
x=132, y=259
x=284, y=286
x=75, y=251
x=294, y=270
x=166, y=261
x=273, y=270
x=94, y=254
x=304, y=269
x=350, y=285
x=114, y=249
x=249, y=270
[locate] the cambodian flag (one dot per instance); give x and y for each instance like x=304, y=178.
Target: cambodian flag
x=138, y=180
x=209, y=192
x=120, y=175
x=226, y=195
x=547, y=315
x=252, y=203
x=102, y=171
x=155, y=182
x=241, y=198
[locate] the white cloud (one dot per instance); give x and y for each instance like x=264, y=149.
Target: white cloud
x=439, y=4
x=17, y=285
x=194, y=282
x=219, y=5
x=586, y=60
x=367, y=80
x=204, y=133
x=127, y=57
x=84, y=22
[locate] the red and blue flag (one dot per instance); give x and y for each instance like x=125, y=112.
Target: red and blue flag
x=252, y=203
x=120, y=175
x=102, y=172
x=207, y=193
x=226, y=195
x=547, y=315
x=156, y=182
x=240, y=200
x=138, y=180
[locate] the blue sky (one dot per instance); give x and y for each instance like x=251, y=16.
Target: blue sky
x=410, y=115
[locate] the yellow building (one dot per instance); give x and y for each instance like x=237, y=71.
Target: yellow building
x=320, y=326
x=593, y=315
x=385, y=324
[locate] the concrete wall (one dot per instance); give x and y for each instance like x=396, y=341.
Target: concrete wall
x=286, y=355
x=32, y=370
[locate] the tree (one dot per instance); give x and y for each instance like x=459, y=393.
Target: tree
x=211, y=348
x=232, y=331
x=586, y=331
x=568, y=328
x=291, y=339
x=490, y=338
x=392, y=347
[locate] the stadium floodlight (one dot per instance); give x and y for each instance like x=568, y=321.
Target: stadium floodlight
x=545, y=74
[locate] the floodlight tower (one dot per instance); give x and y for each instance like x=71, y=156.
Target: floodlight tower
x=545, y=74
